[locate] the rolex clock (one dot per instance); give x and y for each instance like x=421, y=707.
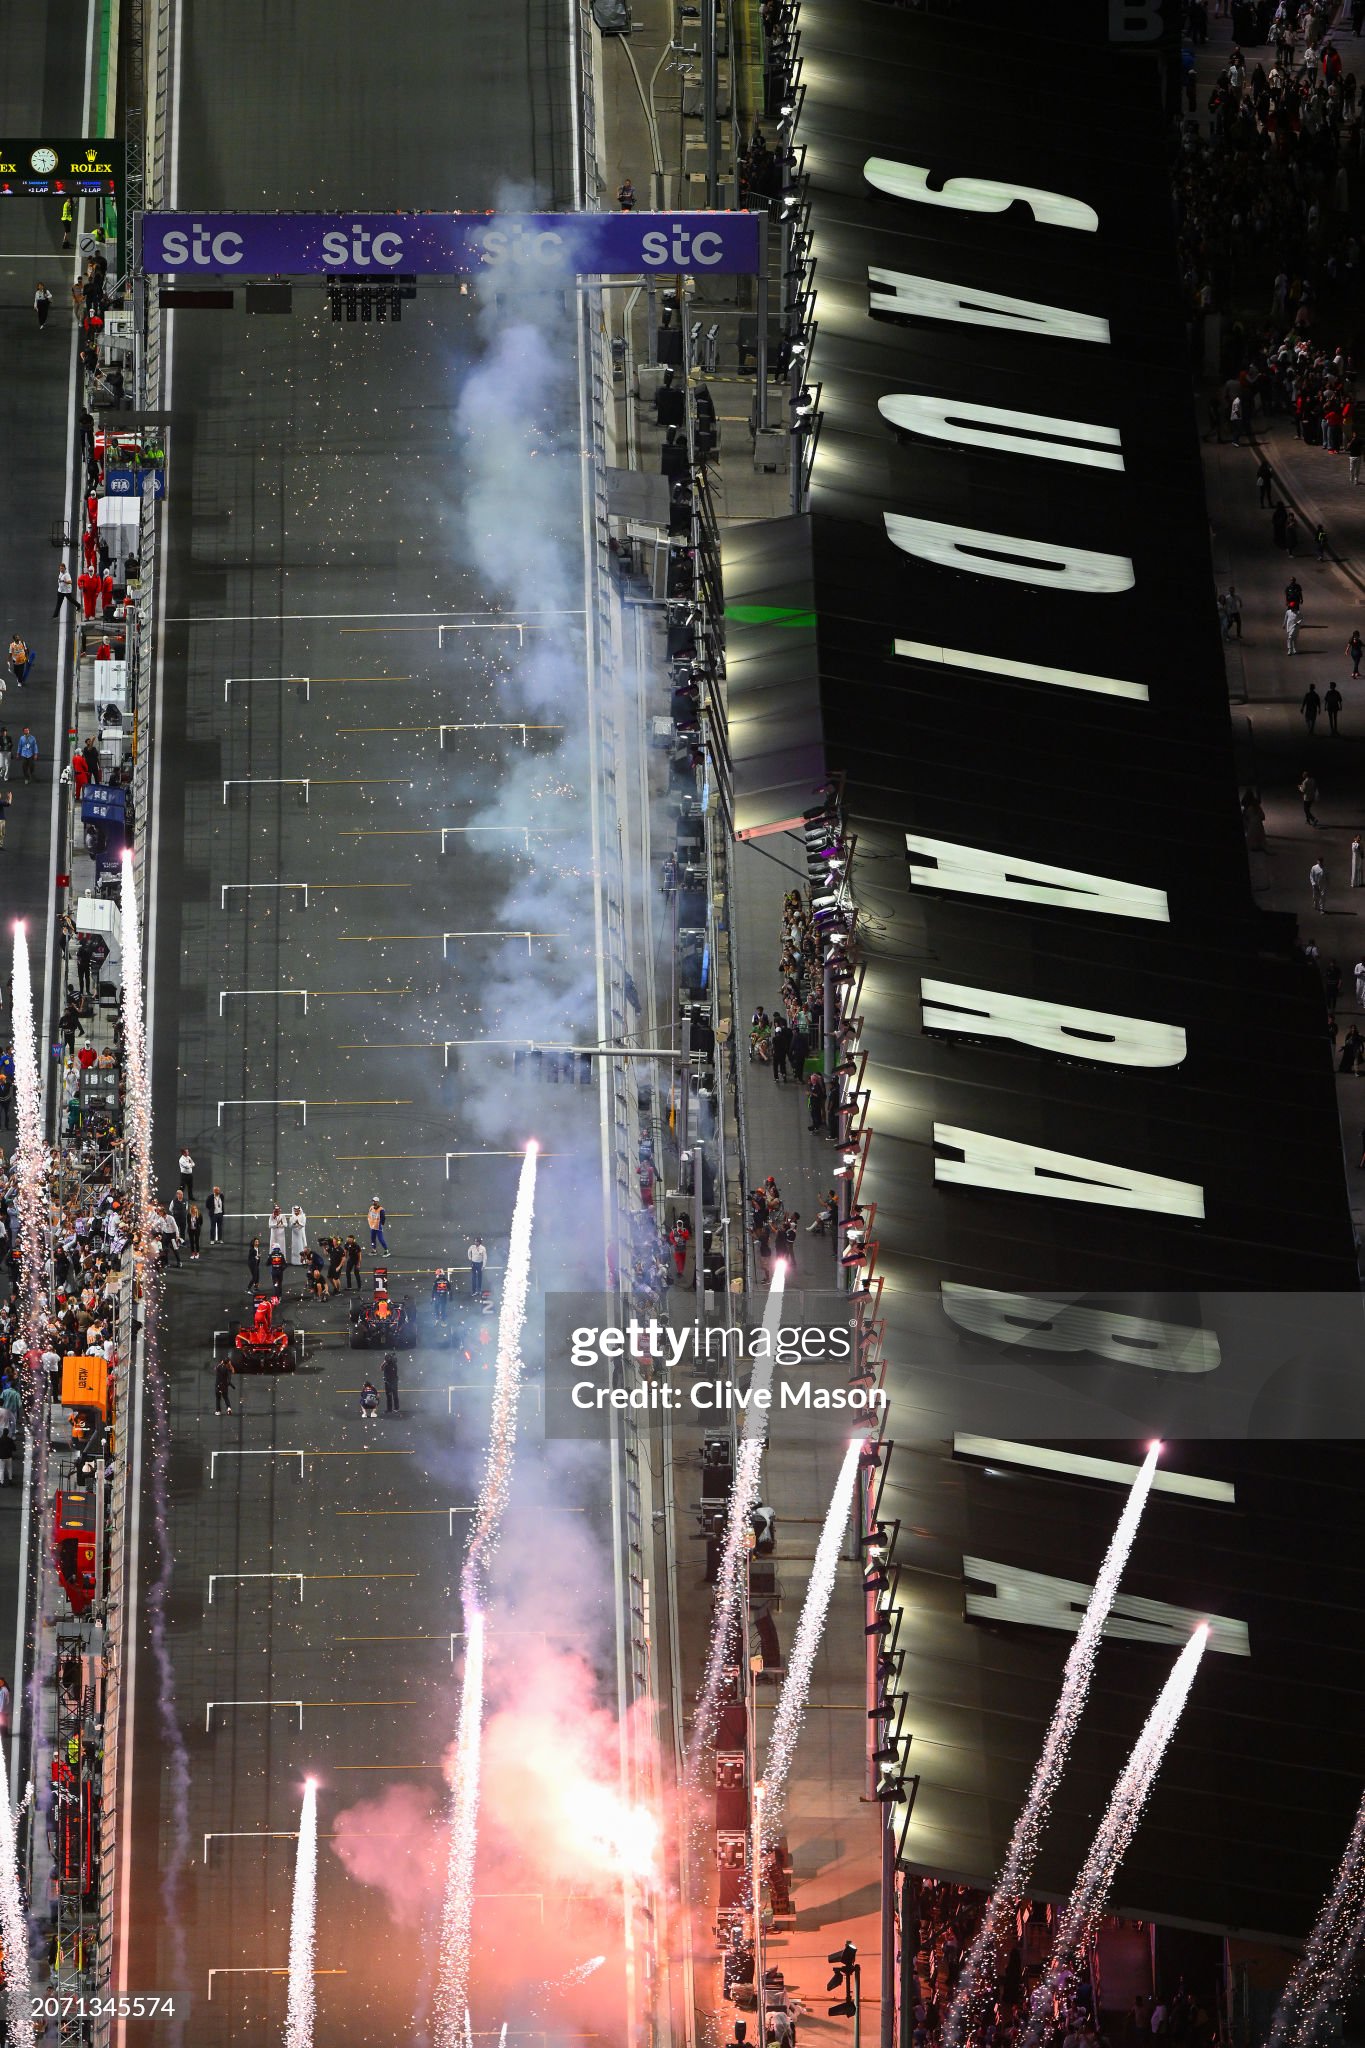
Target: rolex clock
x=44, y=161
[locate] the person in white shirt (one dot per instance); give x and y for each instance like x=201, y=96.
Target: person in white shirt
x=186, y=1163
x=65, y=594
x=477, y=1255
x=279, y=1231
x=1317, y=882
x=298, y=1235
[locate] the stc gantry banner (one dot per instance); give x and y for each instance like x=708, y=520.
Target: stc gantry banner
x=441, y=244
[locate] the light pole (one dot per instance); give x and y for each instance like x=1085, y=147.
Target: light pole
x=848, y=1978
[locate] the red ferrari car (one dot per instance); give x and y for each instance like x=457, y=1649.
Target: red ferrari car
x=265, y=1344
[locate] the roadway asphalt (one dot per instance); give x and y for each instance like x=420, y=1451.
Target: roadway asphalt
x=329, y=512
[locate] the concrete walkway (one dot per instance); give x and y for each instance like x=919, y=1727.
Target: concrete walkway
x=1267, y=685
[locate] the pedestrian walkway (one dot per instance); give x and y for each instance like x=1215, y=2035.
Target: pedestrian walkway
x=829, y=1892
x=1278, y=740
x=1277, y=746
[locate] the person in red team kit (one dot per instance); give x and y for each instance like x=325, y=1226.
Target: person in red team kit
x=107, y=592
x=89, y=588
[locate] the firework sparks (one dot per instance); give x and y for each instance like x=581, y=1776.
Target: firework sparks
x=743, y=1501
x=1320, y=1976
x=1081, y=1914
x=452, y=1998
x=791, y=1704
x=14, y=1928
x=138, y=1089
x=976, y=1984
x=30, y=1157
x=298, y=2025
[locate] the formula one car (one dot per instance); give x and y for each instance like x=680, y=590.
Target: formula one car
x=265, y=1344
x=382, y=1323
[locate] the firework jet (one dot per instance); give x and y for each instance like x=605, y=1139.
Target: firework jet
x=138, y=1126
x=1320, y=1976
x=743, y=1501
x=298, y=2025
x=452, y=1990
x=976, y=1985
x=1081, y=1914
x=30, y=1157
x=791, y=1704
x=14, y=1930
x=138, y=1091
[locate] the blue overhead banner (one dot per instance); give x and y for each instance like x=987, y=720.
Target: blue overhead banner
x=443, y=244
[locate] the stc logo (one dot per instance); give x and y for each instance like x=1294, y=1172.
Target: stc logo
x=350, y=248
x=672, y=248
x=685, y=251
x=202, y=247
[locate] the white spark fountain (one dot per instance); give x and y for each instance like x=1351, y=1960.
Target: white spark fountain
x=30, y=1157
x=14, y=1929
x=302, y=2007
x=137, y=1088
x=452, y=1989
x=1080, y=1916
x=791, y=1703
x=976, y=1984
x=137, y=1097
x=1320, y=1976
x=743, y=1501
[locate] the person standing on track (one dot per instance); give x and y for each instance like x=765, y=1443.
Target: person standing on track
x=253, y=1266
x=477, y=1256
x=186, y=1165
x=222, y=1386
x=440, y=1295
x=376, y=1220
x=352, y=1262
x=278, y=1228
x=65, y=590
x=298, y=1236
x=42, y=305
x=391, y=1406
x=214, y=1205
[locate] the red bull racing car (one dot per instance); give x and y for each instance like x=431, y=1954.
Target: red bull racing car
x=381, y=1323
